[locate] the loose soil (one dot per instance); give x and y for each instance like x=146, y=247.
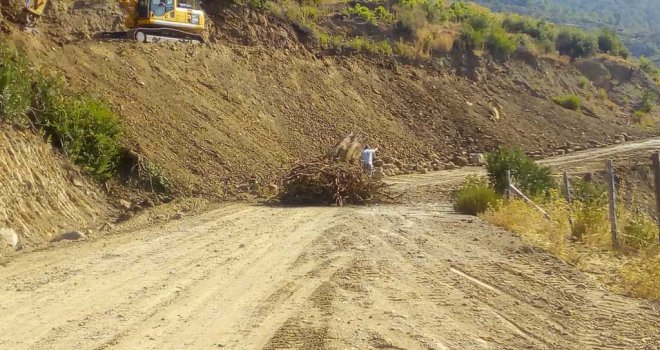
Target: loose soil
x=404, y=276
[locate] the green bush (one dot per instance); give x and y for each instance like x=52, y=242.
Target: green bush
x=15, y=91
x=363, y=12
x=84, y=127
x=528, y=176
x=537, y=29
x=610, y=43
x=475, y=198
x=576, y=43
x=583, y=82
x=383, y=13
x=470, y=40
x=499, y=44
x=571, y=102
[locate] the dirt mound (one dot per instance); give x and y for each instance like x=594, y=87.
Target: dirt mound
x=40, y=194
x=240, y=110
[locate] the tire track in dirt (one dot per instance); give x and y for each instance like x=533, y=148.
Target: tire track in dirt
x=414, y=276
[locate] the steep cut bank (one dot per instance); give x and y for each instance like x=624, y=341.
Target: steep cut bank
x=41, y=195
x=229, y=112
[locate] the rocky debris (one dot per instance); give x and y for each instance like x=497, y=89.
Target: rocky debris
x=450, y=166
x=177, y=216
x=477, y=159
x=10, y=238
x=124, y=204
x=460, y=161
x=68, y=236
x=124, y=216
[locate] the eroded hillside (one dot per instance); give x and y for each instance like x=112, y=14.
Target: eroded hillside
x=255, y=98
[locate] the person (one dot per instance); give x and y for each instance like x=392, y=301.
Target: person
x=367, y=158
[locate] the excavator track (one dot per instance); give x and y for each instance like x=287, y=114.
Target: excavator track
x=154, y=35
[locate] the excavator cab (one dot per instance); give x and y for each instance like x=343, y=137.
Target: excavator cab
x=165, y=20
x=181, y=14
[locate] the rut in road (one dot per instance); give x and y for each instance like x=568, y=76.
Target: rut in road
x=406, y=276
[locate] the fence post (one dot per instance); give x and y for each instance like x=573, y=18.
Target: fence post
x=507, y=192
x=569, y=199
x=612, y=197
x=656, y=170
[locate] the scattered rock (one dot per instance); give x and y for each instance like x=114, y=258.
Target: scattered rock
x=68, y=236
x=494, y=113
x=378, y=163
x=147, y=203
x=273, y=187
x=460, y=161
x=125, y=204
x=177, y=216
x=477, y=159
x=124, y=216
x=77, y=183
x=449, y=166
x=10, y=237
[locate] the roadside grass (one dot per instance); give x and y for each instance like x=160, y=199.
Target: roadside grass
x=632, y=269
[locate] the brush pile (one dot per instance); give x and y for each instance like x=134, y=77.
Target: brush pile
x=335, y=178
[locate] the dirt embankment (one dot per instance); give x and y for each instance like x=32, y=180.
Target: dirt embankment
x=228, y=111
x=41, y=195
x=243, y=106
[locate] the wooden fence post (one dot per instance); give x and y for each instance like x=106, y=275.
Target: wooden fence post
x=569, y=199
x=612, y=197
x=656, y=170
x=507, y=192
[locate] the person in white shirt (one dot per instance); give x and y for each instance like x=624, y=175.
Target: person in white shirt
x=367, y=158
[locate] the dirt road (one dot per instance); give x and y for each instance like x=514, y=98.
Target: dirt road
x=407, y=276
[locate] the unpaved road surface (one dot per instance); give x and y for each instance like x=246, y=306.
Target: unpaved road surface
x=407, y=276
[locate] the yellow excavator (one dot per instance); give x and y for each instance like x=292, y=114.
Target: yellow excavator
x=148, y=20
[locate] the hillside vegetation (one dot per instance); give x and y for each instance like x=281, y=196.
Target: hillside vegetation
x=636, y=21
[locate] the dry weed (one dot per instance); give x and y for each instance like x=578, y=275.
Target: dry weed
x=634, y=269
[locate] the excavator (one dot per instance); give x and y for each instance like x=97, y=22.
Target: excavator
x=147, y=20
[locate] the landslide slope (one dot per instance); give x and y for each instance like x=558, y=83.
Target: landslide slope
x=255, y=98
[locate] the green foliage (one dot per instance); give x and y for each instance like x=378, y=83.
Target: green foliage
x=576, y=43
x=647, y=66
x=383, y=13
x=636, y=21
x=610, y=43
x=648, y=102
x=537, y=29
x=499, y=44
x=638, y=231
x=530, y=177
x=432, y=11
x=362, y=44
x=470, y=40
x=15, y=91
x=363, y=12
x=588, y=192
x=571, y=102
x=84, y=127
x=258, y=4
x=475, y=197
x=583, y=82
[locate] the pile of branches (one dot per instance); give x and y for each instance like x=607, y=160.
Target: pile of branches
x=328, y=182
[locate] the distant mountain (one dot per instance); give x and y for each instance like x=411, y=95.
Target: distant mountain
x=636, y=21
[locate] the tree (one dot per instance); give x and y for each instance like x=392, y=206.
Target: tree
x=576, y=43
x=609, y=42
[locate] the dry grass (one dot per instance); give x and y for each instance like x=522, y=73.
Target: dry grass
x=634, y=269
